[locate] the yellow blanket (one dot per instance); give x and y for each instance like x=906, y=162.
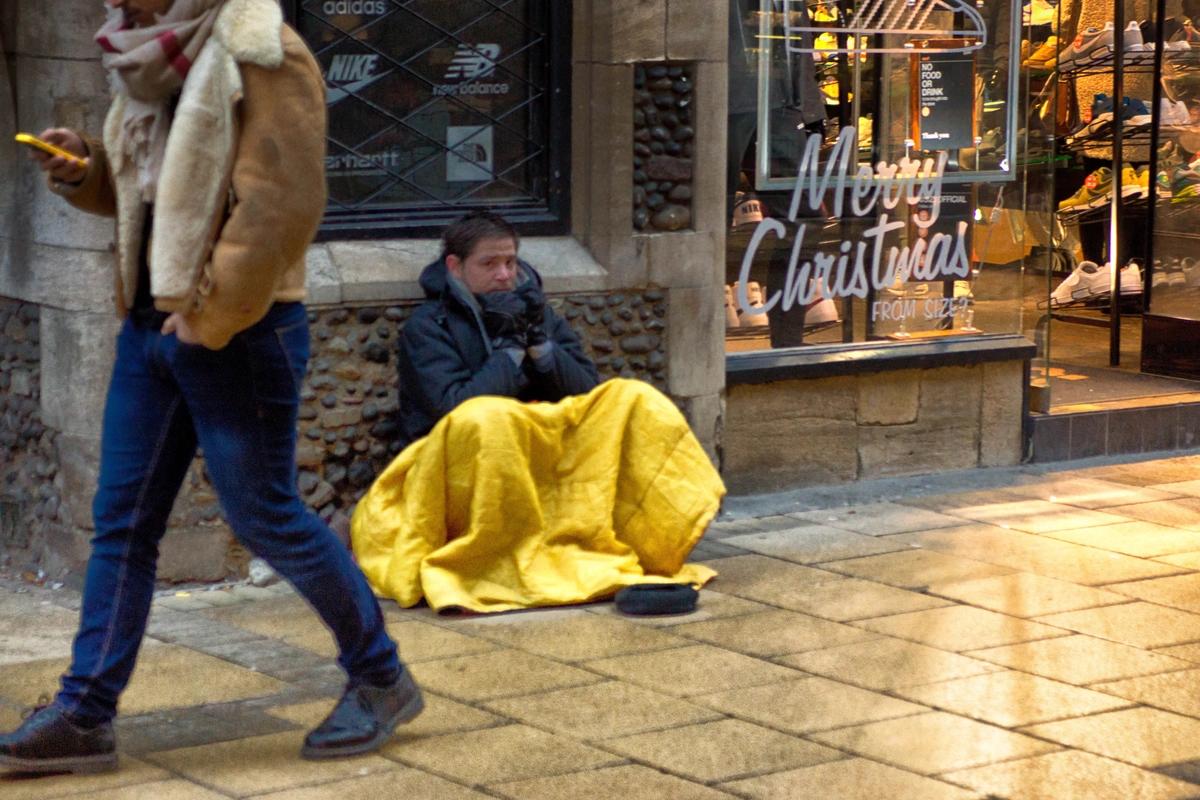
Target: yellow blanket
x=508, y=505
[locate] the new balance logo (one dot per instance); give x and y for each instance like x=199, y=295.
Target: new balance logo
x=473, y=61
x=350, y=74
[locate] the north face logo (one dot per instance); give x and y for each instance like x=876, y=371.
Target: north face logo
x=473, y=61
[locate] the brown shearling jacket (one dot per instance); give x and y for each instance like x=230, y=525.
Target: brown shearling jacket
x=237, y=239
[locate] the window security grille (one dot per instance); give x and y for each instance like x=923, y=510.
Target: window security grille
x=438, y=107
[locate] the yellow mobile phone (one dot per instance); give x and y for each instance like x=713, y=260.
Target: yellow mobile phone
x=33, y=141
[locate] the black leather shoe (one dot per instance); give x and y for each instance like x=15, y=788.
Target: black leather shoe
x=364, y=719
x=49, y=742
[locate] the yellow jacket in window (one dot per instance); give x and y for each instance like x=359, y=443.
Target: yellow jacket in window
x=242, y=188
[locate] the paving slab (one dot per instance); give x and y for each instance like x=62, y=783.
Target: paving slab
x=631, y=781
x=1012, y=699
x=959, y=628
x=916, y=569
x=1023, y=594
x=1071, y=774
x=808, y=704
x=1182, y=512
x=850, y=599
x=880, y=519
x=687, y=671
x=400, y=782
x=850, y=779
x=1170, y=691
x=1191, y=652
x=603, y=710
x=496, y=674
x=1080, y=660
x=1190, y=488
x=1037, y=516
x=577, y=637
x=1140, y=624
x=1190, y=560
x=418, y=641
x=1178, y=591
x=812, y=544
x=261, y=764
x=1140, y=538
x=721, y=751
x=933, y=743
x=1091, y=492
x=164, y=790
x=500, y=755
x=166, y=676
x=773, y=633
x=1145, y=737
x=1145, y=473
x=886, y=663
x=133, y=772
x=1041, y=555
x=20, y=641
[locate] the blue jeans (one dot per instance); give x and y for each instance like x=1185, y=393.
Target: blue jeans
x=239, y=404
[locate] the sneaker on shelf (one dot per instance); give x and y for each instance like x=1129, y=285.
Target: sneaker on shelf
x=1131, y=184
x=1095, y=191
x=1090, y=45
x=1188, y=34
x=1131, y=278
x=1082, y=283
x=1133, y=37
x=1173, y=112
x=1163, y=184
x=821, y=311
x=754, y=293
x=1185, y=185
x=1135, y=112
x=1143, y=182
x=747, y=209
x=865, y=133
x=1191, y=270
x=1099, y=118
x=1044, y=58
x=1040, y=12
x=1170, y=155
x=731, y=315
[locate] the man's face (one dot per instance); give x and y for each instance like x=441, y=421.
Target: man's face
x=141, y=13
x=491, y=266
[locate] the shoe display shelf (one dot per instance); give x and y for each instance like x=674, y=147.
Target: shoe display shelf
x=1124, y=204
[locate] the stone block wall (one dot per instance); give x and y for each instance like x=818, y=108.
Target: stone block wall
x=794, y=433
x=29, y=491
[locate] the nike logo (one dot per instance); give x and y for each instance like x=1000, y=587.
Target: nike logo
x=340, y=93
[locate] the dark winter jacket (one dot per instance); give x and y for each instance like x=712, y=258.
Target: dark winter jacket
x=446, y=358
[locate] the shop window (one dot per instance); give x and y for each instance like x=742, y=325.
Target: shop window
x=875, y=186
x=437, y=108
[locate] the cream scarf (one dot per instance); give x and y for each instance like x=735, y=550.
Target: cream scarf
x=148, y=66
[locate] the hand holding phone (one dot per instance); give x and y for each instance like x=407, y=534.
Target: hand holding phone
x=58, y=151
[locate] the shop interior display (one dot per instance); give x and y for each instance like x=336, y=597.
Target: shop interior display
x=801, y=68
x=1116, y=89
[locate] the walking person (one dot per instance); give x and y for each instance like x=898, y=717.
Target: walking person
x=212, y=163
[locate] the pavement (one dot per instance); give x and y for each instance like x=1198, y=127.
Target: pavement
x=1022, y=633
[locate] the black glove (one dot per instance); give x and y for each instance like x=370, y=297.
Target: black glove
x=504, y=320
x=535, y=311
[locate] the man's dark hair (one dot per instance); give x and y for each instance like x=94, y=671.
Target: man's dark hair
x=466, y=232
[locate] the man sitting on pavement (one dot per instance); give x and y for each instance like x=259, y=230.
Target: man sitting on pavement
x=499, y=503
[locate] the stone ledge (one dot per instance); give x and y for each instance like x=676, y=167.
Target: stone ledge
x=388, y=270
